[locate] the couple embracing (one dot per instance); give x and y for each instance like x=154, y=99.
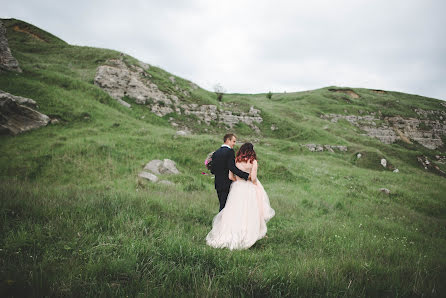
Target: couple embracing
x=244, y=204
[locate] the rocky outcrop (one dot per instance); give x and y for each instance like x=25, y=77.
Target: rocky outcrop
x=208, y=113
x=427, y=132
x=429, y=165
x=330, y=148
x=16, y=117
x=120, y=80
x=7, y=61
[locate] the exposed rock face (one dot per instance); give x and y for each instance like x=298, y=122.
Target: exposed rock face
x=7, y=61
x=427, y=132
x=208, y=113
x=320, y=148
x=16, y=118
x=119, y=80
x=428, y=165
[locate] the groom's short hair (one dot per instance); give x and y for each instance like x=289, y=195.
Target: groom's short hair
x=228, y=136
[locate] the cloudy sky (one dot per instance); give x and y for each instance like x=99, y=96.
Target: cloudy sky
x=258, y=46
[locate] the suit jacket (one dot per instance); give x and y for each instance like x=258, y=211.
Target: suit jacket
x=223, y=161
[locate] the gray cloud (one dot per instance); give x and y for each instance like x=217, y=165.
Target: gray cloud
x=257, y=46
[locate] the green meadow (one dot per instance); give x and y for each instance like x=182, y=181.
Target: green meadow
x=75, y=219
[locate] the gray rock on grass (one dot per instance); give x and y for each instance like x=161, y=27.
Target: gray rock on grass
x=158, y=167
x=385, y=190
x=16, y=118
x=148, y=176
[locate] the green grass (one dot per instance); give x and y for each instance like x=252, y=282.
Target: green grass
x=76, y=221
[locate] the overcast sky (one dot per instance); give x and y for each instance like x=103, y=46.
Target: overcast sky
x=258, y=46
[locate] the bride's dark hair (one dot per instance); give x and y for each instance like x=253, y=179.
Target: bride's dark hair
x=246, y=153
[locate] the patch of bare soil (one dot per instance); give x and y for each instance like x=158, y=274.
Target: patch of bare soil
x=379, y=91
x=25, y=30
x=349, y=92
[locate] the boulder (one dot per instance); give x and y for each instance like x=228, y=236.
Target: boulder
x=169, y=167
x=165, y=166
x=153, y=166
x=18, y=99
x=16, y=118
x=148, y=176
x=384, y=190
x=384, y=162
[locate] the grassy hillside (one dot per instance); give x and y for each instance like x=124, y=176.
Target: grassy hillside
x=76, y=221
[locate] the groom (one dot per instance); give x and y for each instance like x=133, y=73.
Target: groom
x=223, y=161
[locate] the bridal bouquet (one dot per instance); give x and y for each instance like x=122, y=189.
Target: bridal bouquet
x=208, y=161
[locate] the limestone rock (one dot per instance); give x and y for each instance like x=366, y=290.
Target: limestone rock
x=165, y=166
x=16, y=118
x=427, y=132
x=143, y=65
x=384, y=190
x=330, y=148
x=18, y=99
x=183, y=133
x=396, y=171
x=148, y=176
x=169, y=167
x=161, y=110
x=7, y=61
x=384, y=162
x=119, y=80
x=153, y=166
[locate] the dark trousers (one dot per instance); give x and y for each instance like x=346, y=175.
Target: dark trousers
x=222, y=197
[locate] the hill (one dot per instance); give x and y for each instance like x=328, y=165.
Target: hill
x=77, y=220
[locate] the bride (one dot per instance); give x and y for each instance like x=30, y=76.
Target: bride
x=243, y=220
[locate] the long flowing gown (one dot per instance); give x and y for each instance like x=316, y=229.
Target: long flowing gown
x=243, y=220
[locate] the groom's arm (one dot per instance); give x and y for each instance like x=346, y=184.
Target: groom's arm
x=233, y=168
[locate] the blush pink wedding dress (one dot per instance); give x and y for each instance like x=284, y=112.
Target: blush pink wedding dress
x=243, y=220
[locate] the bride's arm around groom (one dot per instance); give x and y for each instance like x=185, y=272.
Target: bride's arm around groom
x=252, y=175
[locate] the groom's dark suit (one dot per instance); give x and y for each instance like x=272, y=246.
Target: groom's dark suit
x=223, y=161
